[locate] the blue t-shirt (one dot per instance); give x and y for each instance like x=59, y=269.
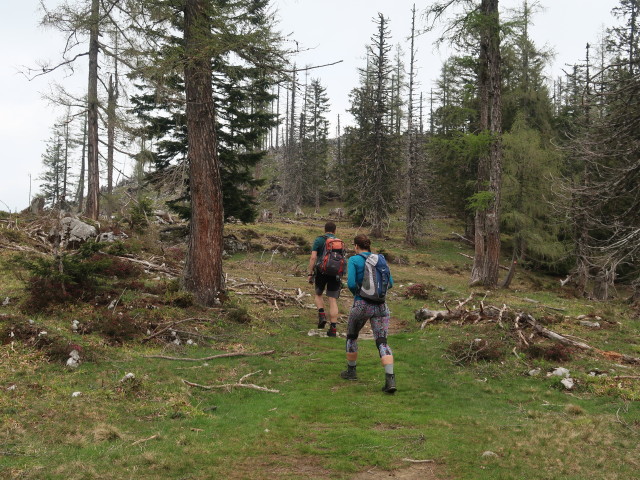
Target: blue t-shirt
x=355, y=273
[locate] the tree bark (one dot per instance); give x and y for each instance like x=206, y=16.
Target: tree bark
x=203, y=268
x=513, y=266
x=487, y=220
x=111, y=125
x=83, y=161
x=93, y=173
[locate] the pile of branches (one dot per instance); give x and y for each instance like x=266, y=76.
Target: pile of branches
x=525, y=326
x=268, y=294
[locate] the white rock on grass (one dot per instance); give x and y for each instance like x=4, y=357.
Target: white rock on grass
x=535, y=371
x=128, y=376
x=6, y=301
x=568, y=383
x=586, y=323
x=489, y=453
x=559, y=372
x=74, y=359
x=76, y=394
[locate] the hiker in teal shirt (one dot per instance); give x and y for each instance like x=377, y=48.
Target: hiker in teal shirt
x=362, y=310
x=355, y=272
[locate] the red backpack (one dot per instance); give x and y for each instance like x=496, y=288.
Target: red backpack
x=332, y=260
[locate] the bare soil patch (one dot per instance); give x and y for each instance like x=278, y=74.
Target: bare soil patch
x=418, y=471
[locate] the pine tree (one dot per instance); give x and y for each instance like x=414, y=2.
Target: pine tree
x=242, y=97
x=373, y=162
x=53, y=163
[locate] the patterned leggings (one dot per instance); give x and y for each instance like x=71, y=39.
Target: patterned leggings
x=379, y=317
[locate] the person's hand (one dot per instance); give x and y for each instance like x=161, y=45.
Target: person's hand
x=310, y=278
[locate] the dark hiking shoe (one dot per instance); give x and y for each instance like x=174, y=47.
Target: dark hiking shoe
x=322, y=319
x=332, y=332
x=389, y=384
x=349, y=373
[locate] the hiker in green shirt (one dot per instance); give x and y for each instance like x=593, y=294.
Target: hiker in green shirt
x=332, y=283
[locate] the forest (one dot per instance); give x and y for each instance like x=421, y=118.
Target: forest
x=500, y=190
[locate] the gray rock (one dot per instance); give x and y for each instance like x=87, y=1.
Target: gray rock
x=489, y=454
x=111, y=237
x=560, y=372
x=74, y=359
x=535, y=371
x=568, y=383
x=73, y=230
x=589, y=324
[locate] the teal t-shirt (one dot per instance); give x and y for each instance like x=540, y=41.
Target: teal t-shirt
x=318, y=243
x=355, y=273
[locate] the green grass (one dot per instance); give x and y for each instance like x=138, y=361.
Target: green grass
x=320, y=426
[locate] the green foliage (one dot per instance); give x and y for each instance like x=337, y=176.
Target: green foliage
x=139, y=213
x=480, y=201
x=530, y=175
x=246, y=53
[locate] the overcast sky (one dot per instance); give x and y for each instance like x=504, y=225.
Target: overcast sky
x=332, y=30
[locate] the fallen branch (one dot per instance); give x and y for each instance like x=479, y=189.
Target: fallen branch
x=152, y=267
x=470, y=257
x=232, y=385
x=145, y=439
x=411, y=460
x=530, y=300
x=463, y=238
x=222, y=355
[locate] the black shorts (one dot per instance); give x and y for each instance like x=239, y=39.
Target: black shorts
x=333, y=285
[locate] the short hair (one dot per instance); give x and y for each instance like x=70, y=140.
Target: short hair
x=330, y=227
x=363, y=242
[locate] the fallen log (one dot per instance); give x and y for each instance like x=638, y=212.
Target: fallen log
x=212, y=357
x=545, y=332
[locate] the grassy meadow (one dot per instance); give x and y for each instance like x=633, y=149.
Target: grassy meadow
x=485, y=419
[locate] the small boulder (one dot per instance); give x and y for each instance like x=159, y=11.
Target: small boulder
x=559, y=372
x=586, y=323
x=74, y=359
x=568, y=383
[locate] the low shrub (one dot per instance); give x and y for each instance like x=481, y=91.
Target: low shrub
x=466, y=352
x=555, y=352
x=419, y=291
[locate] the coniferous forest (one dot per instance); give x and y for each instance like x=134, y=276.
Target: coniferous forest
x=506, y=202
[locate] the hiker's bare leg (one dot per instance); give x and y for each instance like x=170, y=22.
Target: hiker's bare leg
x=319, y=301
x=333, y=309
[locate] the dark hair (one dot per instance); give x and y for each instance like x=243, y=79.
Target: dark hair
x=330, y=227
x=363, y=242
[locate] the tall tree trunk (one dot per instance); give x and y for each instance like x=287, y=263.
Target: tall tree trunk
x=487, y=220
x=93, y=164
x=83, y=161
x=111, y=126
x=203, y=268
x=65, y=169
x=412, y=221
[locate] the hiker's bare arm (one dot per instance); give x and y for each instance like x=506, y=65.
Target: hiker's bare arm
x=312, y=262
